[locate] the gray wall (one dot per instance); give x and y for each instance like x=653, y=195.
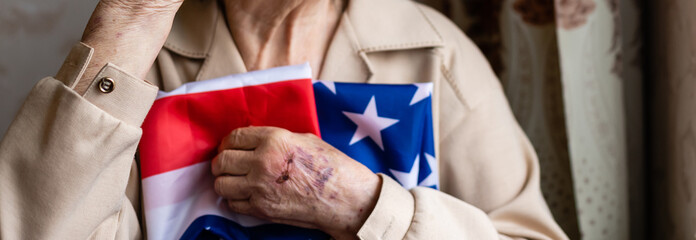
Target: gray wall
x=35, y=37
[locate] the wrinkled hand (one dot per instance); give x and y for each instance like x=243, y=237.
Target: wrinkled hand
x=294, y=179
x=128, y=33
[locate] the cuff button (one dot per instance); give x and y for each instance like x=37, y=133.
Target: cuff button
x=106, y=85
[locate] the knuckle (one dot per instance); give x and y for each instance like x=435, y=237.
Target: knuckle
x=277, y=133
x=261, y=209
x=237, y=208
x=219, y=186
x=235, y=135
x=238, y=131
x=267, y=164
x=233, y=207
x=222, y=161
x=310, y=136
x=216, y=165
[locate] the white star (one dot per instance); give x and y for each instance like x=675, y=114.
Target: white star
x=424, y=90
x=369, y=124
x=408, y=179
x=432, y=179
x=328, y=84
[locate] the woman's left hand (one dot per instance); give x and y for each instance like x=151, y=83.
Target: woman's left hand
x=294, y=179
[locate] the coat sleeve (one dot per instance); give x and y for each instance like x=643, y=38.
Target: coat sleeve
x=66, y=159
x=489, y=173
x=490, y=187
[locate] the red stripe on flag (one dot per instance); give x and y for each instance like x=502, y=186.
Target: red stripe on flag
x=182, y=130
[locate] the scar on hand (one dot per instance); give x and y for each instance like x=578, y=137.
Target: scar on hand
x=286, y=175
x=283, y=177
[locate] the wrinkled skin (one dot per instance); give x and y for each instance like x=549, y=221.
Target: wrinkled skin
x=295, y=179
x=127, y=33
x=266, y=172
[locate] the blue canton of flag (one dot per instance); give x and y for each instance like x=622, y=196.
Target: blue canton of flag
x=388, y=128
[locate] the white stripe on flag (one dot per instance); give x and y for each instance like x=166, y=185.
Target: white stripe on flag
x=174, y=199
x=286, y=73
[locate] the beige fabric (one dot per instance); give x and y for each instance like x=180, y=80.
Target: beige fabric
x=65, y=161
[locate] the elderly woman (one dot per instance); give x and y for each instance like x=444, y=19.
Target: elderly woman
x=67, y=168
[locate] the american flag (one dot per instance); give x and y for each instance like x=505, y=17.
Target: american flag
x=388, y=128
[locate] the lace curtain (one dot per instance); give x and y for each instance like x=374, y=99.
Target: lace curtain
x=605, y=90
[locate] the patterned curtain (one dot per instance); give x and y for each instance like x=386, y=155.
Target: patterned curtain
x=572, y=71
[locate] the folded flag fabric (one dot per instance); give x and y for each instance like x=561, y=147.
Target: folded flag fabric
x=388, y=128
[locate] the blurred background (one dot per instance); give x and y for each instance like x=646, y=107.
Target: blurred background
x=605, y=89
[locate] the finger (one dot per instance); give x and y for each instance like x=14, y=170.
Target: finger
x=240, y=206
x=232, y=162
x=248, y=138
x=233, y=188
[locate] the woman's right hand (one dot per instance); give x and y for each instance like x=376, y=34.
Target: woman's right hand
x=127, y=33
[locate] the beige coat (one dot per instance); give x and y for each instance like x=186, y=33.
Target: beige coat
x=67, y=168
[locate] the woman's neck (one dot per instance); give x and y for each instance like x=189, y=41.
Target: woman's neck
x=271, y=33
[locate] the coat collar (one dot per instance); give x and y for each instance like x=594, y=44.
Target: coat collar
x=386, y=25
x=200, y=31
x=193, y=29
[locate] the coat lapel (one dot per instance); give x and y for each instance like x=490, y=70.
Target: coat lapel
x=193, y=29
x=200, y=32
x=391, y=25
x=370, y=26
x=223, y=57
x=367, y=26
x=344, y=61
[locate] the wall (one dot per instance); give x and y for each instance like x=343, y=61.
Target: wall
x=35, y=37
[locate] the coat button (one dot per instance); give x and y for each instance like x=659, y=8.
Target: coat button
x=106, y=85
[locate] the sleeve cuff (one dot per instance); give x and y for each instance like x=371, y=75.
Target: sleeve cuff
x=75, y=64
x=392, y=216
x=127, y=97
